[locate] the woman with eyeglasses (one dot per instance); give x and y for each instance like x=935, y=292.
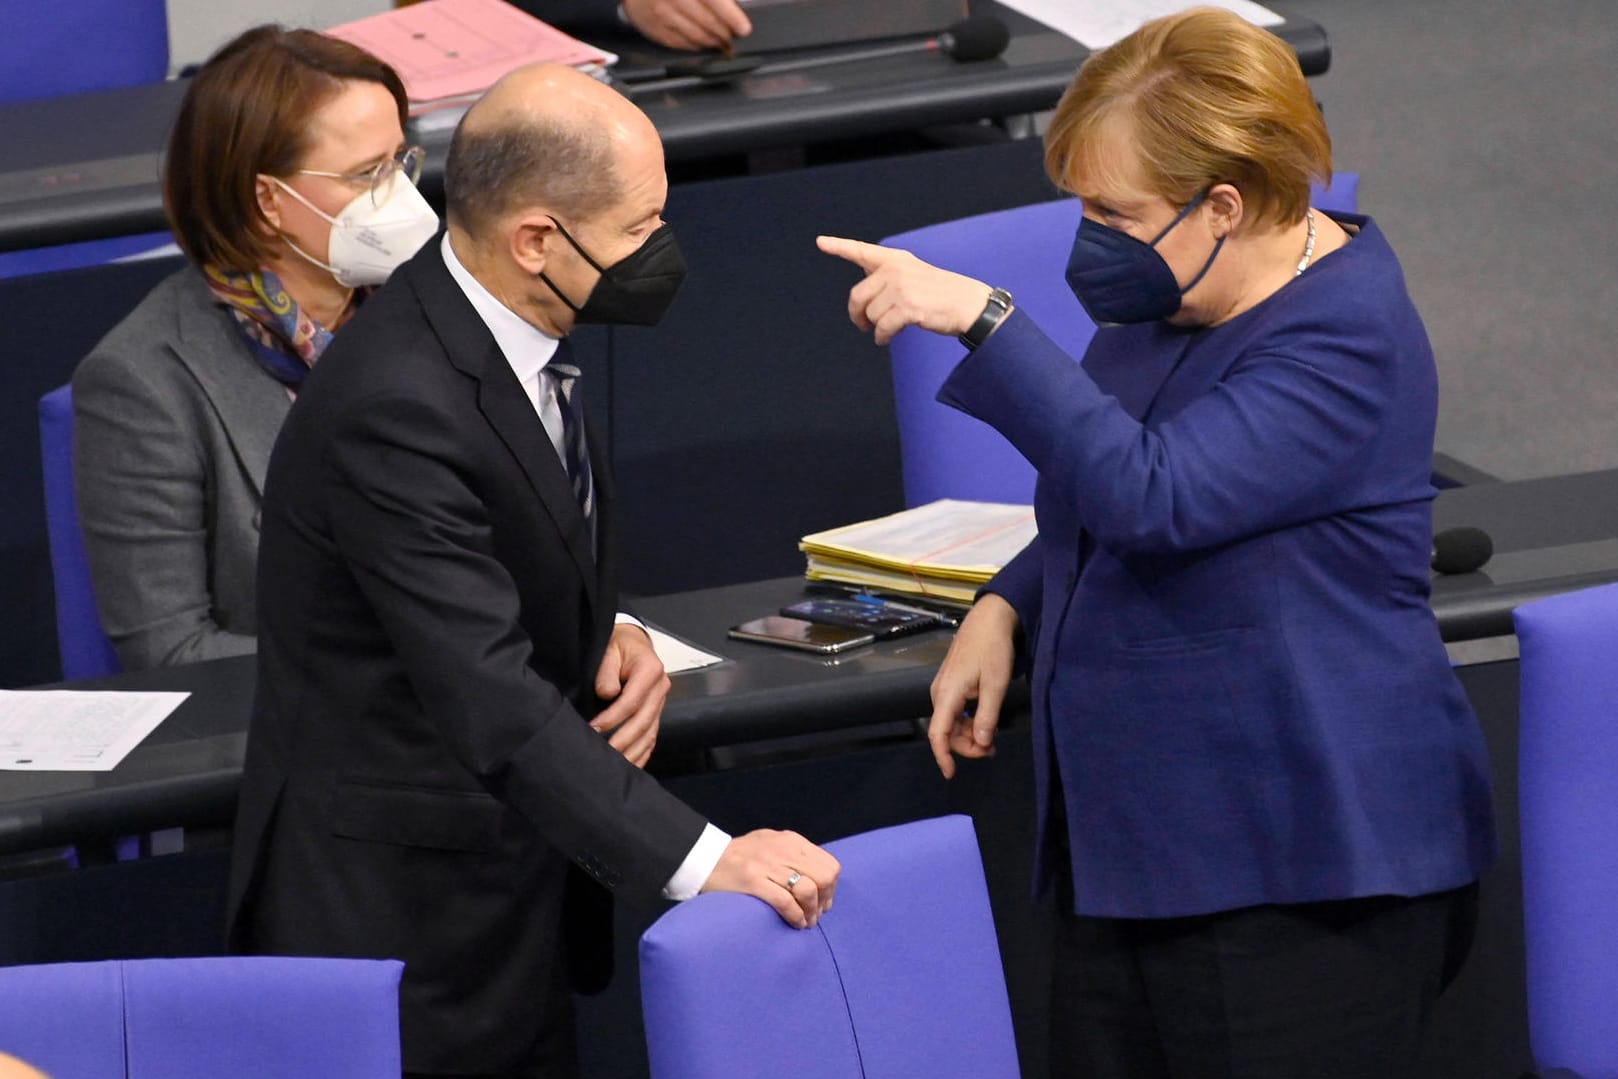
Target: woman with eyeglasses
x=289, y=185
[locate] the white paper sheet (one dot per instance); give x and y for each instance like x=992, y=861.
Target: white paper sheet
x=678, y=656
x=62, y=730
x=1096, y=24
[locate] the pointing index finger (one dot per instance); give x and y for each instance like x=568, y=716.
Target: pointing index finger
x=866, y=256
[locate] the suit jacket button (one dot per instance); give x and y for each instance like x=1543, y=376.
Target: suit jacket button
x=258, y=519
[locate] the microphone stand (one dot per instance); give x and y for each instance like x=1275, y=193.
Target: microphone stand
x=726, y=70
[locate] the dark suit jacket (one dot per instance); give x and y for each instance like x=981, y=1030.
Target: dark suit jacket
x=419, y=771
x=1240, y=692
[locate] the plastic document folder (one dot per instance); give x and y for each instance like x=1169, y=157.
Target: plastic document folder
x=449, y=51
x=944, y=550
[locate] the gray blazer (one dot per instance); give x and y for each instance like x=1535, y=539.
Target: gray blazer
x=173, y=425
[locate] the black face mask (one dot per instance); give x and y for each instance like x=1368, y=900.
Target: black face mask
x=634, y=291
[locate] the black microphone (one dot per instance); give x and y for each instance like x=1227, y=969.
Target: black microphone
x=1461, y=550
x=978, y=37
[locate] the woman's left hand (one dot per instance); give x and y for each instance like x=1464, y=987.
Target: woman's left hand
x=900, y=290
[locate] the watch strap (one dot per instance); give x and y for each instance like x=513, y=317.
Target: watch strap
x=994, y=312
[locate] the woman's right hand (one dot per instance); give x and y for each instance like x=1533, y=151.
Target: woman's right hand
x=977, y=668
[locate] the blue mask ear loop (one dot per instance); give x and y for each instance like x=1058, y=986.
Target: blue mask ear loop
x=1181, y=216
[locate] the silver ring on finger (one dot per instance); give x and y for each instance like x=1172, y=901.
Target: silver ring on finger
x=792, y=881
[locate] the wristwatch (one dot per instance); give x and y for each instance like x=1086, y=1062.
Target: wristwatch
x=994, y=313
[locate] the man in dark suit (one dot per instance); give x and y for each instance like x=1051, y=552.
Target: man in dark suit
x=437, y=613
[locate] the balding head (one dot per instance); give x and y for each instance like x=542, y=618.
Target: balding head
x=543, y=136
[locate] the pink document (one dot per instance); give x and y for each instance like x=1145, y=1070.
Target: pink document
x=454, y=48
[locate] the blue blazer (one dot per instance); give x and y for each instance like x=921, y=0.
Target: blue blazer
x=1240, y=694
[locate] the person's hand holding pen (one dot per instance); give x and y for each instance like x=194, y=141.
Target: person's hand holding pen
x=689, y=24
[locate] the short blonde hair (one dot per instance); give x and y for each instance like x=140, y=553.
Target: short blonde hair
x=1210, y=98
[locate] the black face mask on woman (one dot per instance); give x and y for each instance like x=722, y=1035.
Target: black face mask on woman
x=634, y=291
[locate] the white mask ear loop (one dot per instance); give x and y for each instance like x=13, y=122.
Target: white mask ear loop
x=289, y=189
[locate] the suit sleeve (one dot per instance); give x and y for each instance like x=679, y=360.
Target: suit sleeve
x=415, y=533
x=1020, y=583
x=142, y=486
x=1274, y=444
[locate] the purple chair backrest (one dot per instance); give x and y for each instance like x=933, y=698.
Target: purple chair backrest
x=1568, y=787
x=726, y=985
x=234, y=1017
x=75, y=46
x=80, y=639
x=65, y=1018
x=945, y=453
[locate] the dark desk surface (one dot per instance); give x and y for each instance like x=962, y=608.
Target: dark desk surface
x=86, y=166
x=1553, y=535
x=187, y=771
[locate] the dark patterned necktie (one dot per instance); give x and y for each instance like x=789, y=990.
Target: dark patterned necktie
x=575, y=454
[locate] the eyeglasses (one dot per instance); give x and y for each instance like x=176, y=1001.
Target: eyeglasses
x=407, y=161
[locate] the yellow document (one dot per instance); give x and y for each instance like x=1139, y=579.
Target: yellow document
x=945, y=548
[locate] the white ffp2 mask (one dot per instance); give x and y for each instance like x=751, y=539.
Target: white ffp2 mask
x=372, y=238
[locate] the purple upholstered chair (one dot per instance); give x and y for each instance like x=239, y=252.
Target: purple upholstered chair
x=1568, y=769
x=50, y=49
x=877, y=990
x=80, y=639
x=239, y=1017
x=945, y=453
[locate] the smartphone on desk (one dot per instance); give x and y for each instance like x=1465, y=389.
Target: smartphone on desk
x=804, y=636
x=879, y=620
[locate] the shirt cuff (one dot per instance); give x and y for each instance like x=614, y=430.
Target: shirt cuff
x=622, y=619
x=698, y=865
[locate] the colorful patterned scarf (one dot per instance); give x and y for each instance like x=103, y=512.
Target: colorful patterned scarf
x=284, y=340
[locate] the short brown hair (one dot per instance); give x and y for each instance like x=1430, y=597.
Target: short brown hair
x=246, y=112
x=1211, y=98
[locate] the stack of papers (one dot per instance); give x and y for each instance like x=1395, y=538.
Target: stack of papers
x=944, y=550
x=449, y=51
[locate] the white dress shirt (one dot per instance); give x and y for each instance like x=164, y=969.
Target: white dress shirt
x=528, y=349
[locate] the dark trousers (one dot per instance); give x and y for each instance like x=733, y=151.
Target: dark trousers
x=1334, y=990
x=563, y=1069
x=554, y=1057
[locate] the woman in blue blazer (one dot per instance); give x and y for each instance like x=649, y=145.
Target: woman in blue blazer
x=1264, y=800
